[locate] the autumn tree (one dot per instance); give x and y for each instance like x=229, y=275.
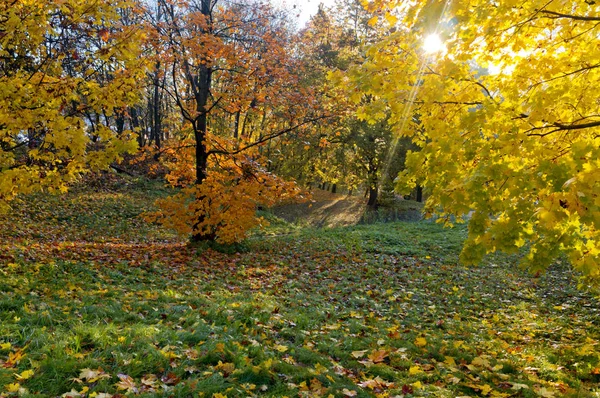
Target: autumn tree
x=234, y=80
x=68, y=70
x=508, y=120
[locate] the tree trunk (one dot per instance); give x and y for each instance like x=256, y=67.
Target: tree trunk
x=334, y=188
x=419, y=194
x=156, y=119
x=203, y=85
x=372, y=203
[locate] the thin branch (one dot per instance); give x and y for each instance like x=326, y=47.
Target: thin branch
x=560, y=127
x=267, y=137
x=558, y=15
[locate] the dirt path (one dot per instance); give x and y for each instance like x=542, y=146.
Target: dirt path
x=333, y=210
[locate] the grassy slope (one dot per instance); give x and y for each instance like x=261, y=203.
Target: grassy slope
x=368, y=310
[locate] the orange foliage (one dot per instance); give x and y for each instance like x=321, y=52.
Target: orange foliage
x=224, y=205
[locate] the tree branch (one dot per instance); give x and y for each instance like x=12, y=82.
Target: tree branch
x=267, y=137
x=557, y=15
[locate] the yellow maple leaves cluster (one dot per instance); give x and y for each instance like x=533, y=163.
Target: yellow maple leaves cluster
x=505, y=117
x=50, y=82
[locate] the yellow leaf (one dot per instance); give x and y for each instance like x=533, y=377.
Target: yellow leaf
x=14, y=387
x=5, y=346
x=420, y=342
x=417, y=384
x=449, y=361
x=373, y=21
x=481, y=362
x=25, y=375
x=414, y=370
x=485, y=389
x=281, y=348
x=392, y=19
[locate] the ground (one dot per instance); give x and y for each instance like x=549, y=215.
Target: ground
x=95, y=302
x=335, y=210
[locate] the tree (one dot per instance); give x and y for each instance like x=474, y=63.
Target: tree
x=507, y=121
x=354, y=151
x=68, y=70
x=234, y=80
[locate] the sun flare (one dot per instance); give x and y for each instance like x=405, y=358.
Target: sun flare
x=433, y=44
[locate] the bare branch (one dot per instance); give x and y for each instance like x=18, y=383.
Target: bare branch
x=558, y=15
x=268, y=137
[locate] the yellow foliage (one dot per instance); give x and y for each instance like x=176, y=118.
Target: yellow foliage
x=506, y=122
x=48, y=90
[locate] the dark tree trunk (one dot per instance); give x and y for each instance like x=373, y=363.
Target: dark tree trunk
x=419, y=193
x=334, y=188
x=372, y=202
x=203, y=86
x=135, y=124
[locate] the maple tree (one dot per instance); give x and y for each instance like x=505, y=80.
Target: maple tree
x=505, y=116
x=68, y=70
x=233, y=77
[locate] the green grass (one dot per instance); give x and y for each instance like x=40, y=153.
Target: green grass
x=381, y=310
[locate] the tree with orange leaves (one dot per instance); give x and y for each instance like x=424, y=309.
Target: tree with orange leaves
x=236, y=83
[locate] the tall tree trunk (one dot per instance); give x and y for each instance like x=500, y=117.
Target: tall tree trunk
x=419, y=193
x=156, y=125
x=203, y=85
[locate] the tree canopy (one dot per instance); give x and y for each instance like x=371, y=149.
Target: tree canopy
x=506, y=116
x=67, y=71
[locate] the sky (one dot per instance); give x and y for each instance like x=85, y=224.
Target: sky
x=305, y=8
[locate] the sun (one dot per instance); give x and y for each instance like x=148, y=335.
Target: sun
x=433, y=44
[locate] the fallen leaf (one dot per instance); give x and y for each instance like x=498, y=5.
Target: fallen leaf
x=359, y=354
x=25, y=375
x=378, y=356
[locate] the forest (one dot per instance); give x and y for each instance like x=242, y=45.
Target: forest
x=211, y=198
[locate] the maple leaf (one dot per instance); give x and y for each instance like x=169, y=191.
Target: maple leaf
x=149, y=381
x=126, y=383
x=379, y=356
x=92, y=376
x=14, y=387
x=103, y=34
x=358, y=354
x=25, y=375
x=376, y=384
x=420, y=342
x=72, y=394
x=170, y=379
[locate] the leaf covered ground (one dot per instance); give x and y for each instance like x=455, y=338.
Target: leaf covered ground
x=96, y=303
